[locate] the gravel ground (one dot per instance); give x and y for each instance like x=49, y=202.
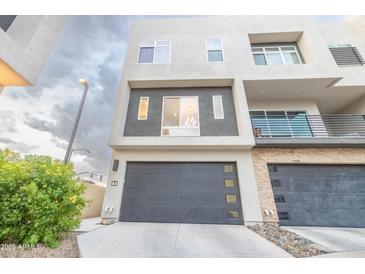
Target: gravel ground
x=289, y=241
x=67, y=249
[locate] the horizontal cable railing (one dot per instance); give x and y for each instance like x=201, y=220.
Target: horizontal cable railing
x=308, y=126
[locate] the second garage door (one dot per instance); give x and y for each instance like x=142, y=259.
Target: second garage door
x=181, y=193
x=319, y=195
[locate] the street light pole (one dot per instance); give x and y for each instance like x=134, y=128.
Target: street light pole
x=69, y=146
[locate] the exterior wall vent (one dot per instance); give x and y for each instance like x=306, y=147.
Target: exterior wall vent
x=347, y=55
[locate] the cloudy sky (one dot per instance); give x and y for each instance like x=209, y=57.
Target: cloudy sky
x=39, y=119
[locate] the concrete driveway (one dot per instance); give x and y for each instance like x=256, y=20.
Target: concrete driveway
x=345, y=241
x=122, y=240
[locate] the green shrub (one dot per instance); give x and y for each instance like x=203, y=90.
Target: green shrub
x=39, y=199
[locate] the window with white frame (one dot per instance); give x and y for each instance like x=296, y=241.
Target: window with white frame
x=143, y=108
x=180, y=116
x=215, y=50
x=276, y=55
x=218, y=107
x=154, y=52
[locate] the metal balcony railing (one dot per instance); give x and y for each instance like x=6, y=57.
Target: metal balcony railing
x=302, y=125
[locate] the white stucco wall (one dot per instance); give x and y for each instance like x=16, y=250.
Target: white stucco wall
x=189, y=67
x=357, y=107
x=188, y=48
x=309, y=106
x=350, y=31
x=26, y=45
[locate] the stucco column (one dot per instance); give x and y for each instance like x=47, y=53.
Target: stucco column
x=242, y=112
x=120, y=113
x=113, y=193
x=248, y=190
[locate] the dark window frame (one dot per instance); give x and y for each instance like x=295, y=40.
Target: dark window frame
x=6, y=21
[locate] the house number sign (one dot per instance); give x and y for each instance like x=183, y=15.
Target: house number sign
x=114, y=183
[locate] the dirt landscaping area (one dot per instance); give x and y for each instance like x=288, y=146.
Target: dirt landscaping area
x=289, y=241
x=67, y=249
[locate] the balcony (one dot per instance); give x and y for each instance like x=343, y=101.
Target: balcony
x=298, y=129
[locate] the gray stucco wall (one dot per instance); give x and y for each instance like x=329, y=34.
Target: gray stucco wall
x=208, y=125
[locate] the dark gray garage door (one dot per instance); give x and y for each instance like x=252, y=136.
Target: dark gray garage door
x=181, y=193
x=319, y=195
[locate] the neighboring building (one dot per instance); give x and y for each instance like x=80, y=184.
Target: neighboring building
x=240, y=120
x=25, y=44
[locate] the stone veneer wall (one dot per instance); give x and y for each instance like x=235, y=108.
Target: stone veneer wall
x=263, y=156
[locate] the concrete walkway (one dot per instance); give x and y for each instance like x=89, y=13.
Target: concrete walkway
x=337, y=239
x=122, y=240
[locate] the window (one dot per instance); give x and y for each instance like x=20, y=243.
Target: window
x=180, y=116
x=275, y=183
x=228, y=168
x=143, y=108
x=276, y=55
x=346, y=55
x=280, y=124
x=233, y=214
x=218, y=107
x=231, y=198
x=215, y=51
x=154, y=52
x=280, y=199
x=229, y=183
x=283, y=216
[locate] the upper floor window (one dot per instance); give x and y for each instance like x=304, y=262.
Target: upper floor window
x=215, y=50
x=143, y=108
x=154, y=52
x=218, y=107
x=180, y=116
x=276, y=54
x=346, y=55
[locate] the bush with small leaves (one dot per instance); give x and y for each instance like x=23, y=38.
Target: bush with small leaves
x=40, y=201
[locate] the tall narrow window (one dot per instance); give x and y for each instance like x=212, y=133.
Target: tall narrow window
x=218, y=107
x=180, y=116
x=146, y=51
x=143, y=108
x=215, y=50
x=154, y=52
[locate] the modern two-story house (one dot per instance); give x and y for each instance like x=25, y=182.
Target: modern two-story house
x=240, y=120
